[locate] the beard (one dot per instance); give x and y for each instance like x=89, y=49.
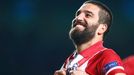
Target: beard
x=79, y=37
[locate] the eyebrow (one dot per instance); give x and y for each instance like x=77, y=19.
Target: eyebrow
x=84, y=11
x=89, y=12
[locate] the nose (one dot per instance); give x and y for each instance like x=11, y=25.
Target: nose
x=80, y=17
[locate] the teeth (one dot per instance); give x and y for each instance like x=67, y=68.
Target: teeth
x=78, y=24
x=80, y=27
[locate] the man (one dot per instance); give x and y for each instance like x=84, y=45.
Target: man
x=91, y=23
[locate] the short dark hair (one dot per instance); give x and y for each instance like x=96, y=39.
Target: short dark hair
x=105, y=14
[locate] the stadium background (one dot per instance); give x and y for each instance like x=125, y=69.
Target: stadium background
x=34, y=33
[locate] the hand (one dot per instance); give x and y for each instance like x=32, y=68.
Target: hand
x=78, y=72
x=60, y=72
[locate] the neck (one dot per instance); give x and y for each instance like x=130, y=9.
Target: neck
x=83, y=46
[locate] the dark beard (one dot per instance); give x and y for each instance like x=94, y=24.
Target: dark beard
x=80, y=37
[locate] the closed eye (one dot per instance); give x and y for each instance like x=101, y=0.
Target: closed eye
x=88, y=14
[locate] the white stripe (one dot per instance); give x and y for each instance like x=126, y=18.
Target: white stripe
x=117, y=67
x=83, y=66
x=75, y=60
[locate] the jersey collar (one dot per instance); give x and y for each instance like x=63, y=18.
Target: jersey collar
x=88, y=52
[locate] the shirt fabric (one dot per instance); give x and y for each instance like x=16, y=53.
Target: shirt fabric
x=95, y=60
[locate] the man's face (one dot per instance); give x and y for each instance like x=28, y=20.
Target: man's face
x=85, y=24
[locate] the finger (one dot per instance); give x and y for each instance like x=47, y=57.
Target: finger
x=72, y=72
x=60, y=72
x=78, y=72
x=64, y=69
x=78, y=69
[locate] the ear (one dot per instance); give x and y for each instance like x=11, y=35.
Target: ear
x=102, y=28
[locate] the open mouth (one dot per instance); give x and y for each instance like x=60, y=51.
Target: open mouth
x=79, y=24
x=79, y=27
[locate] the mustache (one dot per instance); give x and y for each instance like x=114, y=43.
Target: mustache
x=78, y=22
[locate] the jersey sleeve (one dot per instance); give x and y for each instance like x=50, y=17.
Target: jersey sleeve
x=111, y=63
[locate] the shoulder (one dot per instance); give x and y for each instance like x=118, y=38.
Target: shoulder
x=110, y=55
x=111, y=62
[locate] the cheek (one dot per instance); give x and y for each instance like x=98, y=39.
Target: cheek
x=93, y=27
x=92, y=20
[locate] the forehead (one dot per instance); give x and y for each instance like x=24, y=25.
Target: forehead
x=89, y=7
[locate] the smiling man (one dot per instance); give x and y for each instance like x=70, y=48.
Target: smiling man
x=91, y=23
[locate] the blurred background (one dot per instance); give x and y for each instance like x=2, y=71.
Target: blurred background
x=34, y=33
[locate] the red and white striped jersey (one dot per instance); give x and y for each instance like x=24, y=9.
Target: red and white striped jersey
x=95, y=60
